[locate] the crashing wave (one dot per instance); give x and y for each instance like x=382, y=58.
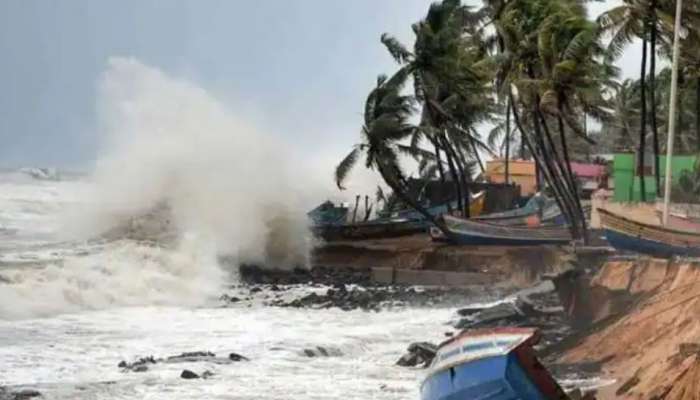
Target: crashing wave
x=155, y=226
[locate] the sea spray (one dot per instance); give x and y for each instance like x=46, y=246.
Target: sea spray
x=165, y=139
x=228, y=188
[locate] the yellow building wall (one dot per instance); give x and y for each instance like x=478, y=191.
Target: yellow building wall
x=521, y=173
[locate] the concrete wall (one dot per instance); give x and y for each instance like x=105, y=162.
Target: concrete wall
x=393, y=276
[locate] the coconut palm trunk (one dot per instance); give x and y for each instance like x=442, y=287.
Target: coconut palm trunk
x=463, y=170
x=697, y=114
x=440, y=167
x=507, y=177
x=399, y=191
x=540, y=160
x=572, y=181
x=643, y=124
x=558, y=172
x=457, y=183
x=652, y=96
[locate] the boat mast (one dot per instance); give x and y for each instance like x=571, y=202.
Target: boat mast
x=672, y=108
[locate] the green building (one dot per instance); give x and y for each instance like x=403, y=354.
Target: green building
x=627, y=184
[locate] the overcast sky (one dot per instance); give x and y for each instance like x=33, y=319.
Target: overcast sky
x=298, y=68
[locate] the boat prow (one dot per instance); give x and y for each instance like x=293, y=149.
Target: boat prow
x=493, y=364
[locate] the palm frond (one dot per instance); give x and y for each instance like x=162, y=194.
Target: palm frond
x=396, y=49
x=343, y=169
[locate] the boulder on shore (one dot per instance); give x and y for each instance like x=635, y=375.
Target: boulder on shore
x=187, y=374
x=418, y=353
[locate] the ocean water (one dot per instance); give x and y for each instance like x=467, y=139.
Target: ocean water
x=71, y=310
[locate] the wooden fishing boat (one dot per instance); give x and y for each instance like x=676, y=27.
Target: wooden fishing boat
x=494, y=364
x=328, y=213
x=476, y=207
x=464, y=231
x=626, y=234
x=370, y=230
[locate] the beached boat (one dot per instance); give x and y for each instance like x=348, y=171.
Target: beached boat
x=529, y=215
x=493, y=364
x=626, y=234
x=328, y=213
x=401, y=224
x=476, y=207
x=370, y=230
x=469, y=232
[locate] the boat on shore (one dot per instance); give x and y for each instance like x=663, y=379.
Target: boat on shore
x=629, y=235
x=470, y=232
x=476, y=207
x=401, y=224
x=377, y=229
x=494, y=364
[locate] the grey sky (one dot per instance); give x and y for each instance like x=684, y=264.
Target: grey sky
x=299, y=68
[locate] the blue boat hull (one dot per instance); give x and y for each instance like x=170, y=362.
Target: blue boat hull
x=622, y=241
x=470, y=239
x=494, y=378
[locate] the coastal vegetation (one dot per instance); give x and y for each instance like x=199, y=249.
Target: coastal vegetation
x=525, y=79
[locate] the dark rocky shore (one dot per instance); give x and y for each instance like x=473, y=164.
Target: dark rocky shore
x=345, y=288
x=23, y=394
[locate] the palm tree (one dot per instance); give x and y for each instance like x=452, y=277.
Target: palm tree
x=386, y=124
x=545, y=47
x=626, y=109
x=450, y=85
x=571, y=79
x=636, y=19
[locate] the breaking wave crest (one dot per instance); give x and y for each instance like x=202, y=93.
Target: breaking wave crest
x=122, y=273
x=227, y=187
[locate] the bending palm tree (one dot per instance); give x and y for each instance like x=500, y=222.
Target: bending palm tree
x=386, y=117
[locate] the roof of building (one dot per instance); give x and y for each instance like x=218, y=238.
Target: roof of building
x=527, y=167
x=587, y=170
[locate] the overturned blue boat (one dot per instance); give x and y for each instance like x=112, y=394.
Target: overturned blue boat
x=490, y=364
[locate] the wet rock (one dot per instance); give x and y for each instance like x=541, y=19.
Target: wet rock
x=139, y=365
x=193, y=356
x=25, y=394
x=255, y=289
x=229, y=299
x=256, y=274
x=507, y=313
x=207, y=374
x=237, y=357
x=320, y=351
x=187, y=374
x=418, y=353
